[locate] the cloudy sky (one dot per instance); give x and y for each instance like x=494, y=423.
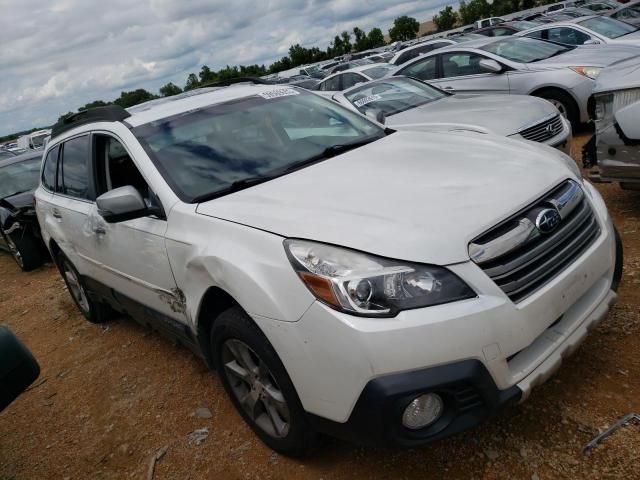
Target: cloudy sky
x=56, y=55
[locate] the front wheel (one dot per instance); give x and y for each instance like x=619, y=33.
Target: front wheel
x=259, y=386
x=565, y=105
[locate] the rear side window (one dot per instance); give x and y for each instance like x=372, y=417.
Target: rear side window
x=566, y=35
x=536, y=34
x=422, y=69
x=331, y=85
x=50, y=170
x=75, y=168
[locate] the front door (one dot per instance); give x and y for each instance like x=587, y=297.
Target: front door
x=461, y=73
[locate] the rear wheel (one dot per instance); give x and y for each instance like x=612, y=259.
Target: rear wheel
x=259, y=386
x=25, y=251
x=93, y=311
x=564, y=103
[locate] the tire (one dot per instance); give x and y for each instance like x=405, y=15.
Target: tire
x=564, y=103
x=617, y=272
x=93, y=311
x=25, y=251
x=272, y=408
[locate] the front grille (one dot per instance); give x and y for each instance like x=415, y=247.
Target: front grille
x=543, y=131
x=520, y=258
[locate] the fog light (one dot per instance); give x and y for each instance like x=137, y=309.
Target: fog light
x=423, y=411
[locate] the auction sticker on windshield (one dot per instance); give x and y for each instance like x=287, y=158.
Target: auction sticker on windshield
x=365, y=100
x=280, y=92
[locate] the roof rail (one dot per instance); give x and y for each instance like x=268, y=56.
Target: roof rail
x=233, y=81
x=109, y=113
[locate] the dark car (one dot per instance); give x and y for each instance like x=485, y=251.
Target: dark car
x=19, y=229
x=18, y=367
x=506, y=28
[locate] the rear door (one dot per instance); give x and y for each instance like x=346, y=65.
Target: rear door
x=460, y=72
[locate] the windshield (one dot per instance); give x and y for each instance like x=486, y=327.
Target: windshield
x=525, y=50
x=378, y=72
x=467, y=37
x=203, y=153
x=608, y=27
x=19, y=177
x=393, y=96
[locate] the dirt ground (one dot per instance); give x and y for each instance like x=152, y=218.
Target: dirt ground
x=115, y=394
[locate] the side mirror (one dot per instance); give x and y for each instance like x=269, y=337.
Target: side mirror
x=375, y=114
x=490, y=66
x=120, y=204
x=591, y=41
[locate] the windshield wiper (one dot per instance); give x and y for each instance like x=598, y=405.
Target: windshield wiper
x=331, y=151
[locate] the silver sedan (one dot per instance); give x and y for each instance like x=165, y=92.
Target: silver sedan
x=561, y=74
x=591, y=30
x=408, y=104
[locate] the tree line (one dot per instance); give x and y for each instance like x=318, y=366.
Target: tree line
x=404, y=28
x=472, y=10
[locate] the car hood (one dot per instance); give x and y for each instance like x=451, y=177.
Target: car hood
x=498, y=114
x=411, y=196
x=620, y=75
x=21, y=201
x=588, y=55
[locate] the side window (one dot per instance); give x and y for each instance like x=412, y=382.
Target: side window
x=459, y=64
x=115, y=168
x=50, y=170
x=331, y=85
x=351, y=79
x=75, y=168
x=568, y=36
x=424, y=69
x=537, y=34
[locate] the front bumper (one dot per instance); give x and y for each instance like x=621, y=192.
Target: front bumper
x=618, y=157
x=353, y=374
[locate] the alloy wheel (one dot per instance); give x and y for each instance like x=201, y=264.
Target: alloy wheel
x=560, y=106
x=75, y=287
x=255, y=388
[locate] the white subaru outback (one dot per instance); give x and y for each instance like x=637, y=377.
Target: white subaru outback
x=385, y=287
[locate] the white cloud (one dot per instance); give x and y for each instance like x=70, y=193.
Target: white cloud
x=57, y=55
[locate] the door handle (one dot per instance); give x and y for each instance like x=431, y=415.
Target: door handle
x=449, y=89
x=99, y=231
x=56, y=213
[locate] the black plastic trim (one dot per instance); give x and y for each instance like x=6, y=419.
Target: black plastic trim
x=468, y=390
x=109, y=113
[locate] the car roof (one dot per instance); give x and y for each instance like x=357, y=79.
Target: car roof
x=193, y=99
x=359, y=68
x=371, y=82
x=23, y=157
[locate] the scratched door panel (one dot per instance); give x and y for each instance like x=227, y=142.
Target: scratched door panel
x=134, y=258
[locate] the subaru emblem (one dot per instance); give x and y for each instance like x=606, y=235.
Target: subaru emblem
x=548, y=220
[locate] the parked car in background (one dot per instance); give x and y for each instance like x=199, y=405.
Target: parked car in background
x=19, y=229
x=33, y=140
x=615, y=147
x=577, y=12
x=341, y=67
x=416, y=50
x=18, y=367
x=507, y=28
x=629, y=13
x=559, y=6
x=598, y=7
x=343, y=80
x=487, y=22
x=561, y=74
x=587, y=30
x=405, y=103
x=336, y=287
x=383, y=57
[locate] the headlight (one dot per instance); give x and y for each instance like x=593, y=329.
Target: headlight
x=362, y=284
x=590, y=72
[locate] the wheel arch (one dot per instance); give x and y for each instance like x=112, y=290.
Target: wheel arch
x=554, y=88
